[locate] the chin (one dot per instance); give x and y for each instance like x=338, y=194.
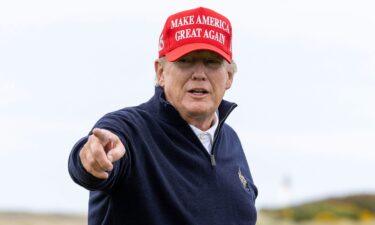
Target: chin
x=199, y=110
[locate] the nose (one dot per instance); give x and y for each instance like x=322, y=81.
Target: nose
x=199, y=72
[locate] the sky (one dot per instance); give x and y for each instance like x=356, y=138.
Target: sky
x=305, y=88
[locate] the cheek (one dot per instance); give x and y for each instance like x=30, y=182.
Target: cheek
x=220, y=84
x=173, y=90
x=176, y=83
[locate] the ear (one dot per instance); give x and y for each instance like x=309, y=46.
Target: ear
x=159, y=71
x=229, y=81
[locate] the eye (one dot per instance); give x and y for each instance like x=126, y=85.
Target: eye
x=213, y=62
x=184, y=60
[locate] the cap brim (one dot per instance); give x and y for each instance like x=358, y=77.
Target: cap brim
x=185, y=49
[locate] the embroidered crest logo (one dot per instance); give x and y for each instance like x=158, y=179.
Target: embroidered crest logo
x=243, y=179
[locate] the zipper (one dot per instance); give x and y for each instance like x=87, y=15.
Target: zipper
x=212, y=154
x=213, y=161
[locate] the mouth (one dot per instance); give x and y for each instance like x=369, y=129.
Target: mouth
x=198, y=91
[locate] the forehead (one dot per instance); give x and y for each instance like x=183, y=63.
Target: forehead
x=202, y=54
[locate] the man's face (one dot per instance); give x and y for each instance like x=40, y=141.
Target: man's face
x=195, y=83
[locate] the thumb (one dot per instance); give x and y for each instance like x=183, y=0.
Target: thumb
x=117, y=152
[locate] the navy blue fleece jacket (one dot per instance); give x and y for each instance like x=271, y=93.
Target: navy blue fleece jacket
x=167, y=177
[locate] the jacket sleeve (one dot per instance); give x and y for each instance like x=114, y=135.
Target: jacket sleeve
x=120, y=168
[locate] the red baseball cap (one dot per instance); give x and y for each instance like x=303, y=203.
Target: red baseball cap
x=196, y=29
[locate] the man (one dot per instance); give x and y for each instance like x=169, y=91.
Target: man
x=173, y=160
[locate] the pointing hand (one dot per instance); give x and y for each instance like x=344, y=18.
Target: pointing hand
x=100, y=151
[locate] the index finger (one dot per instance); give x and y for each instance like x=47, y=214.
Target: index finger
x=103, y=135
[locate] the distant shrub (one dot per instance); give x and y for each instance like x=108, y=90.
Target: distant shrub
x=325, y=216
x=366, y=215
x=357, y=208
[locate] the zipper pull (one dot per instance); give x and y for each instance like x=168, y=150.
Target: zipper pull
x=213, y=161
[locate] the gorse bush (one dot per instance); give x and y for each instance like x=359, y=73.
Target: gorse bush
x=357, y=208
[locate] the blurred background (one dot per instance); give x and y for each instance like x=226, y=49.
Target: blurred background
x=305, y=88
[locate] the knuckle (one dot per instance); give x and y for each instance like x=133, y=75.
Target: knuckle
x=90, y=170
x=90, y=161
x=96, y=172
x=91, y=138
x=96, y=149
x=105, y=165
